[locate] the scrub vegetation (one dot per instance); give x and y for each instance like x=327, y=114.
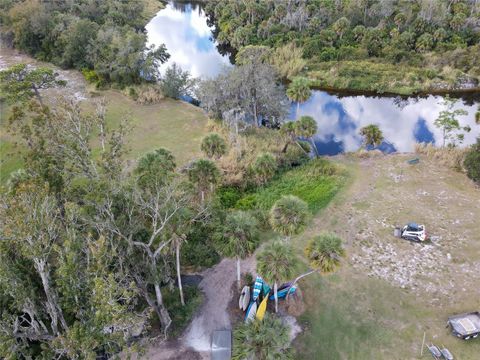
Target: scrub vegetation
x=393, y=46
x=104, y=40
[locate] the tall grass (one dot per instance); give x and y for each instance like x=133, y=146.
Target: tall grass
x=451, y=157
x=316, y=183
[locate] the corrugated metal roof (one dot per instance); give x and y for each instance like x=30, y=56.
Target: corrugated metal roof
x=222, y=345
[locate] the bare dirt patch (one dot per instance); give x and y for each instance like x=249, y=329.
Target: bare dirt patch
x=391, y=192
x=388, y=291
x=76, y=86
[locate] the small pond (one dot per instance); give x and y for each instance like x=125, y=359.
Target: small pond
x=184, y=29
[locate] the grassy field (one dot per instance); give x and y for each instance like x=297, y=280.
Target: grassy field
x=175, y=125
x=363, y=311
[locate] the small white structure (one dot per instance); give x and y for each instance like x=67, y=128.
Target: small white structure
x=222, y=345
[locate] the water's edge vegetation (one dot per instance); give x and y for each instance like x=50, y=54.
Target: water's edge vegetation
x=396, y=47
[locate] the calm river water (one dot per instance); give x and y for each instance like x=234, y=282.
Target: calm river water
x=183, y=28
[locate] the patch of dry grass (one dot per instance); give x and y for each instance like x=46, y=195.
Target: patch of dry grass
x=451, y=157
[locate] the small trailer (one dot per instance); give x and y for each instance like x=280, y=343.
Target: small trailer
x=435, y=351
x=465, y=326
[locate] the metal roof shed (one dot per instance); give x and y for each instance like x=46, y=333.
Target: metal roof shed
x=222, y=345
x=465, y=326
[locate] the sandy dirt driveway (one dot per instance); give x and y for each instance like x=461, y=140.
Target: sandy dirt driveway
x=195, y=342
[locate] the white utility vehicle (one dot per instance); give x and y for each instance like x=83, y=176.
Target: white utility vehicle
x=415, y=232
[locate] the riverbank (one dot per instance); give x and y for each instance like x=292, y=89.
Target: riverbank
x=386, y=78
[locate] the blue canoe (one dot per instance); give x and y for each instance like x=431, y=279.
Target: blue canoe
x=257, y=288
x=282, y=291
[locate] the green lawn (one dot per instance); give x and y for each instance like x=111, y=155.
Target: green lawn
x=175, y=125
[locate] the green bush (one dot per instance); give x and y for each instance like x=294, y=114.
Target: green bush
x=228, y=196
x=248, y=202
x=472, y=162
x=198, y=250
x=181, y=315
x=90, y=75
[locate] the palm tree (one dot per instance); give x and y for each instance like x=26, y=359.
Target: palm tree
x=307, y=127
x=267, y=339
x=204, y=174
x=299, y=91
x=238, y=237
x=340, y=26
x=372, y=135
x=276, y=264
x=213, y=145
x=323, y=253
x=289, y=215
x=155, y=166
x=265, y=167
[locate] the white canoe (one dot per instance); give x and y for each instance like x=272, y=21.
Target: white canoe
x=241, y=300
x=251, y=311
x=246, y=298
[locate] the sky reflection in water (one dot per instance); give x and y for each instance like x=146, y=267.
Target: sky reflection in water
x=188, y=40
x=403, y=123
x=185, y=32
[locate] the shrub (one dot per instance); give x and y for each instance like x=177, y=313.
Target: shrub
x=267, y=339
x=472, y=162
x=214, y=146
x=228, y=196
x=450, y=156
x=248, y=202
x=90, y=75
x=198, y=250
x=264, y=167
x=180, y=314
x=149, y=94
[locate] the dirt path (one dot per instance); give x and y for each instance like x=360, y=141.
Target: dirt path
x=213, y=315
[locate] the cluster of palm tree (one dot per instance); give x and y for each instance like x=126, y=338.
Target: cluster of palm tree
x=305, y=127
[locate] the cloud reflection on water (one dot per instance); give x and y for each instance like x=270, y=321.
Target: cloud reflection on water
x=187, y=38
x=403, y=124
x=183, y=29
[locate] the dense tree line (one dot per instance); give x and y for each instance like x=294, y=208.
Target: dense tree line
x=105, y=39
x=88, y=249
x=408, y=32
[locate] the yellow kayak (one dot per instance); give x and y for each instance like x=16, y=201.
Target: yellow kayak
x=261, y=309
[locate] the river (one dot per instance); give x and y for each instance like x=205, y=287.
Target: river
x=404, y=121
